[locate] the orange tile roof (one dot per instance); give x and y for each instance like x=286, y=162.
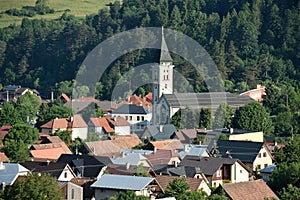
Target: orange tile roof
x=3, y=157
x=170, y=144
x=125, y=141
x=65, y=123
x=51, y=154
x=249, y=190
x=102, y=122
x=118, y=121
x=64, y=96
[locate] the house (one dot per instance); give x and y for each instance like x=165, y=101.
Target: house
x=255, y=155
x=163, y=156
x=110, y=184
x=100, y=125
x=146, y=101
x=193, y=183
x=86, y=166
x=137, y=116
x=70, y=190
x=170, y=144
x=248, y=190
x=273, y=146
x=113, y=146
x=193, y=150
x=9, y=172
x=50, y=149
x=266, y=172
x=85, y=183
x=186, y=136
x=12, y=92
x=120, y=125
x=134, y=159
x=75, y=124
x=256, y=94
x=129, y=170
x=219, y=170
x=159, y=133
x=59, y=171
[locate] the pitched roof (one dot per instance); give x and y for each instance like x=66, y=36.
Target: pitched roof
x=208, y=165
x=55, y=142
x=125, y=141
x=88, y=159
x=268, y=169
x=249, y=190
x=102, y=122
x=194, y=183
x=205, y=100
x=121, y=182
x=161, y=156
x=245, y=151
x=54, y=169
x=130, y=109
x=9, y=172
x=118, y=121
x=193, y=150
x=4, y=131
x=164, y=52
x=126, y=169
x=48, y=153
x=131, y=158
x=170, y=144
x=65, y=123
x=3, y=157
x=186, y=135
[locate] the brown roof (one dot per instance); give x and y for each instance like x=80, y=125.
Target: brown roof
x=185, y=135
x=161, y=156
x=194, y=183
x=65, y=123
x=171, y=144
x=3, y=157
x=49, y=154
x=125, y=141
x=124, y=170
x=4, y=131
x=251, y=190
x=102, y=122
x=85, y=183
x=118, y=121
x=65, y=97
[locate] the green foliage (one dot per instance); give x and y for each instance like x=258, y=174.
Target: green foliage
x=223, y=116
x=76, y=145
x=64, y=135
x=140, y=171
x=253, y=117
x=128, y=195
x=205, y=118
x=9, y=115
x=177, y=188
x=18, y=140
x=41, y=187
x=91, y=137
x=290, y=193
x=28, y=106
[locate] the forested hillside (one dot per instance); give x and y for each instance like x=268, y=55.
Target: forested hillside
x=251, y=41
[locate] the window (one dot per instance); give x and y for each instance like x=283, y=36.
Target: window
x=167, y=77
x=218, y=173
x=126, y=117
x=258, y=167
x=241, y=171
x=166, y=85
x=266, y=165
x=138, y=118
x=259, y=155
x=265, y=154
x=72, y=194
x=130, y=118
x=143, y=118
x=66, y=175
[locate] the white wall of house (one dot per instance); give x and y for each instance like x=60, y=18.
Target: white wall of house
x=262, y=160
x=122, y=130
x=79, y=132
x=204, y=186
x=66, y=175
x=74, y=192
x=238, y=173
x=106, y=193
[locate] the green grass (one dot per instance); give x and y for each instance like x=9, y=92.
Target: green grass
x=78, y=8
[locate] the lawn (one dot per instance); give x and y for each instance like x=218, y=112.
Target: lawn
x=78, y=8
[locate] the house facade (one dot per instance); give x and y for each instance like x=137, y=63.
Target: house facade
x=71, y=191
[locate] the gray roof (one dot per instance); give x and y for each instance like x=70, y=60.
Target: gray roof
x=205, y=100
x=131, y=158
x=139, y=151
x=130, y=109
x=9, y=172
x=268, y=169
x=164, y=52
x=194, y=150
x=121, y=182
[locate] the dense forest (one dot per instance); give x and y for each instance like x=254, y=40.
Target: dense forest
x=251, y=41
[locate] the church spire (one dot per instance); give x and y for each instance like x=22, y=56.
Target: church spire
x=164, y=52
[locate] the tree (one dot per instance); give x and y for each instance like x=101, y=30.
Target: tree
x=64, y=135
x=177, y=188
x=290, y=193
x=35, y=186
x=223, y=116
x=17, y=141
x=76, y=145
x=8, y=114
x=140, y=171
x=128, y=195
x=205, y=118
x=253, y=117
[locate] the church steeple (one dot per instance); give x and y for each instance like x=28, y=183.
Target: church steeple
x=164, y=52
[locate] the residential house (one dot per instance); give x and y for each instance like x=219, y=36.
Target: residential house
x=256, y=94
x=248, y=190
x=193, y=183
x=267, y=172
x=59, y=171
x=159, y=133
x=170, y=144
x=100, y=125
x=193, y=150
x=138, y=117
x=129, y=170
x=71, y=191
x=50, y=149
x=113, y=146
x=12, y=92
x=186, y=136
x=120, y=125
x=219, y=170
x=86, y=166
x=273, y=146
x=110, y=184
x=146, y=101
x=75, y=124
x=9, y=172
x=163, y=156
x=85, y=183
x=253, y=154
x=134, y=159
x=244, y=135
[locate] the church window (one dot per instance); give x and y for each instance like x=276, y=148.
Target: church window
x=166, y=85
x=167, y=77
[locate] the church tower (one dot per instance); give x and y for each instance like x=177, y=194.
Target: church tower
x=162, y=76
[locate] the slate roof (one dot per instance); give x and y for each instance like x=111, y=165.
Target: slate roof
x=129, y=170
x=205, y=100
x=121, y=182
x=249, y=190
x=245, y=151
x=193, y=150
x=268, y=169
x=54, y=169
x=131, y=158
x=130, y=109
x=187, y=171
x=208, y=165
x=9, y=172
x=164, y=52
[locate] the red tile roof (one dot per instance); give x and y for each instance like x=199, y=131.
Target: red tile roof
x=171, y=144
x=102, y=122
x=65, y=123
x=47, y=153
x=250, y=190
x=118, y=121
x=65, y=97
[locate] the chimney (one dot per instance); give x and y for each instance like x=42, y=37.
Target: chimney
x=176, y=164
x=48, y=162
x=154, y=150
x=231, y=130
x=1, y=165
x=186, y=147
